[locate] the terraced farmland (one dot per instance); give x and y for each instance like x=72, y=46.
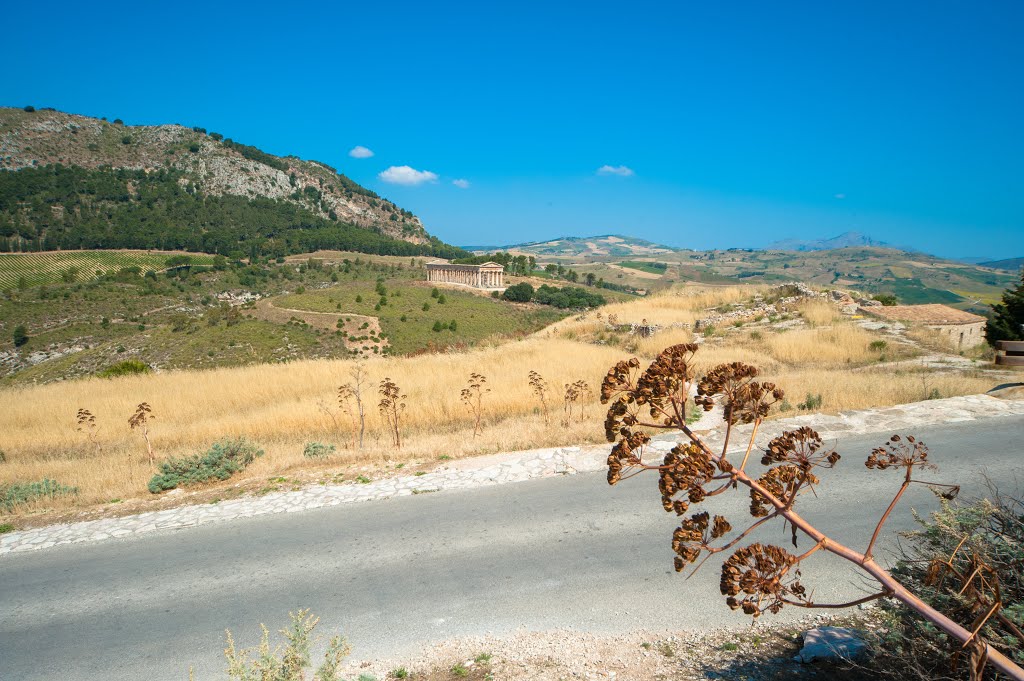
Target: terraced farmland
x=50, y=267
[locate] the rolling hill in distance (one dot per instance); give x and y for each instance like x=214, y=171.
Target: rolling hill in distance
x=850, y=260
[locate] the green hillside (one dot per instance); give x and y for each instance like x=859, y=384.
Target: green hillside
x=65, y=208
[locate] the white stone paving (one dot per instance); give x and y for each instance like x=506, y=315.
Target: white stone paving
x=501, y=469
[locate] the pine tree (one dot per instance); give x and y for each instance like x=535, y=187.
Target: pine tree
x=1007, y=319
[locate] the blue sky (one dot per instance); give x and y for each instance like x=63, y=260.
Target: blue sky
x=719, y=124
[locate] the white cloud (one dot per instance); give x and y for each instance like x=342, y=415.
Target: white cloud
x=407, y=176
x=461, y=184
x=621, y=171
x=360, y=151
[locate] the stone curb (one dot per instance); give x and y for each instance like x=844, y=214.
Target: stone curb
x=507, y=468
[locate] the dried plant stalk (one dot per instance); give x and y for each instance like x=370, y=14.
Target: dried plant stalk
x=140, y=419
x=540, y=389
x=472, y=396
x=392, y=406
x=759, y=578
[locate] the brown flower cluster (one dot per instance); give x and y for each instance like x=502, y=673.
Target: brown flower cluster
x=617, y=387
x=744, y=399
x=753, y=579
x=665, y=383
x=899, y=453
x=800, y=451
x=800, y=447
x=692, y=536
x=626, y=453
x=687, y=468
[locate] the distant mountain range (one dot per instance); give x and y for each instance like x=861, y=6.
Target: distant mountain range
x=1010, y=264
x=69, y=181
x=845, y=240
x=604, y=245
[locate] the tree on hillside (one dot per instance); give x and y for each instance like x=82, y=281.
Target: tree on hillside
x=20, y=335
x=1007, y=319
x=519, y=293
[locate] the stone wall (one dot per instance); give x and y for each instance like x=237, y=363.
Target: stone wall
x=962, y=336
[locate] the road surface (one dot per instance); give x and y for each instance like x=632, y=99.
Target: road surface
x=394, y=574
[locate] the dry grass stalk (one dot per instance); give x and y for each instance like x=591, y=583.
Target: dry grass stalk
x=472, y=396
x=140, y=419
x=574, y=392
x=350, y=399
x=540, y=389
x=87, y=426
x=391, y=407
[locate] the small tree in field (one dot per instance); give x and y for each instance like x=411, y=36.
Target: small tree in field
x=758, y=578
x=472, y=396
x=540, y=389
x=392, y=406
x=140, y=419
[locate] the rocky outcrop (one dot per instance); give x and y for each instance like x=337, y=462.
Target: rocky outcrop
x=214, y=165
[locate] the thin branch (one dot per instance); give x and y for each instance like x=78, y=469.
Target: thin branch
x=859, y=601
x=885, y=516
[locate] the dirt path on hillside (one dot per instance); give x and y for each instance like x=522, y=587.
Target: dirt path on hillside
x=351, y=324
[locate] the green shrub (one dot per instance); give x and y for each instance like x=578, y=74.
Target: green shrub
x=438, y=326
x=453, y=325
x=989, y=532
x=886, y=299
x=224, y=459
x=520, y=293
x=290, y=662
x=810, y=402
x=20, y=335
x=128, y=367
x=6, y=527
x=18, y=493
x=877, y=345
x=317, y=450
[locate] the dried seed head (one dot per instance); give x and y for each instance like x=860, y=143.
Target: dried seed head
x=686, y=469
x=800, y=447
x=753, y=579
x=626, y=453
x=744, y=400
x=897, y=453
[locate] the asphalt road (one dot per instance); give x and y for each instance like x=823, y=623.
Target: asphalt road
x=391, y=575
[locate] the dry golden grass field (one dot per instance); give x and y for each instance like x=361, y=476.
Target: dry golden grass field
x=281, y=407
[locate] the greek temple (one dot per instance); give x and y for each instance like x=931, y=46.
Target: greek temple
x=490, y=275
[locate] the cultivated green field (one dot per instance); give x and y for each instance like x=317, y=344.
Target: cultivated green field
x=409, y=327
x=51, y=267
x=645, y=266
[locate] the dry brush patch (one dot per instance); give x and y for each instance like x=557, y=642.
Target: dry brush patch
x=282, y=407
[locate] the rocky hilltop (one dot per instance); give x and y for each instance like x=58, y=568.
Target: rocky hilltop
x=202, y=161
